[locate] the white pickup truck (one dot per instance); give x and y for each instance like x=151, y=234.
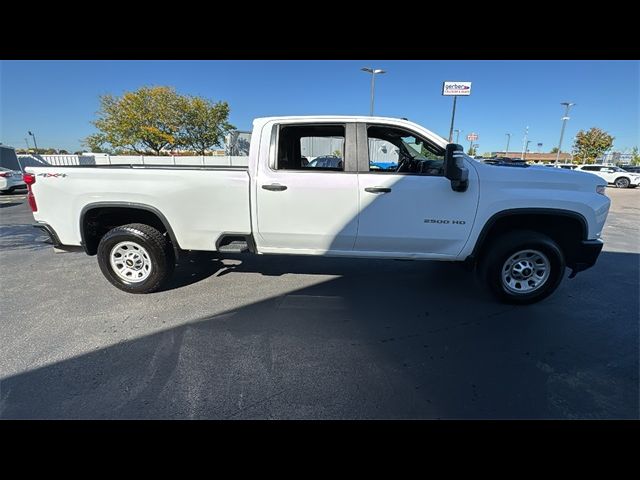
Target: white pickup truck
x=427, y=201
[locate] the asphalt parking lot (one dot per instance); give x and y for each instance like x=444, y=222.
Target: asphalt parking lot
x=291, y=338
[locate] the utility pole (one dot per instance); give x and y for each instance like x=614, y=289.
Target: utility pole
x=567, y=106
x=457, y=135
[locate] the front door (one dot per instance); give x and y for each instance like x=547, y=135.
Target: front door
x=406, y=205
x=307, y=198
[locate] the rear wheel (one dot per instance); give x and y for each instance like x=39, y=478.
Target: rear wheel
x=523, y=267
x=622, y=182
x=135, y=258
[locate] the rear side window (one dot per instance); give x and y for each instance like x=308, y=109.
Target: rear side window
x=311, y=148
x=591, y=169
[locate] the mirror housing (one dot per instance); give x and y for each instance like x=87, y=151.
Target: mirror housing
x=454, y=168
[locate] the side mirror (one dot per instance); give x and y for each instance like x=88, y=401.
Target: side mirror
x=454, y=168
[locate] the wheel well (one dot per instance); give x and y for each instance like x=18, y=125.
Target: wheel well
x=565, y=229
x=97, y=221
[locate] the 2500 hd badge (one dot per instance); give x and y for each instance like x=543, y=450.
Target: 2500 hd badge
x=435, y=220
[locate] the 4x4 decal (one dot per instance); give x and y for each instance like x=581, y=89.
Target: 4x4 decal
x=54, y=175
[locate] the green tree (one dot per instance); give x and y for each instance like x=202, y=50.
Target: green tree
x=554, y=150
x=96, y=143
x=471, y=152
x=635, y=156
x=202, y=123
x=147, y=119
x=591, y=144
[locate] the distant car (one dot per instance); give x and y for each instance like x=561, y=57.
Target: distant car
x=566, y=166
x=506, y=162
x=327, y=161
x=10, y=180
x=615, y=175
x=631, y=168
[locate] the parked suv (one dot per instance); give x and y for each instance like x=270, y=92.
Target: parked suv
x=10, y=171
x=615, y=175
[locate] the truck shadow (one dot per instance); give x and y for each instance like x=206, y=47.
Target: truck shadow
x=194, y=267
x=382, y=340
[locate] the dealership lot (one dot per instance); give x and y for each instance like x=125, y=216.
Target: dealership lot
x=284, y=337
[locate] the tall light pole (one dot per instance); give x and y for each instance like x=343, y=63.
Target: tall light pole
x=34, y=141
x=524, y=142
x=373, y=72
x=567, y=106
x=457, y=134
x=526, y=148
x=506, y=150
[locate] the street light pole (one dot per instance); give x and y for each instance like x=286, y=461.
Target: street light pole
x=567, y=106
x=373, y=72
x=506, y=150
x=457, y=135
x=34, y=141
x=524, y=142
x=526, y=148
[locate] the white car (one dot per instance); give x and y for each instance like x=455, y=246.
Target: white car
x=520, y=226
x=10, y=180
x=615, y=175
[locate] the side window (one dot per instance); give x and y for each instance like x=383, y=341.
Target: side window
x=591, y=169
x=311, y=148
x=395, y=150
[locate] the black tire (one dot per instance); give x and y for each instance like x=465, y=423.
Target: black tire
x=622, y=182
x=162, y=258
x=504, y=247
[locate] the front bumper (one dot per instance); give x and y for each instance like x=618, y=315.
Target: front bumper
x=586, y=256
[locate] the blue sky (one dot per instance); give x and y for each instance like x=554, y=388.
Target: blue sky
x=58, y=99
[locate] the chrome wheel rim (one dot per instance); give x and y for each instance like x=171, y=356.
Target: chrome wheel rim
x=131, y=262
x=525, y=271
x=621, y=183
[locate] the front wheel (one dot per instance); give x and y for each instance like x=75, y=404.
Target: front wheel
x=622, y=182
x=523, y=267
x=135, y=258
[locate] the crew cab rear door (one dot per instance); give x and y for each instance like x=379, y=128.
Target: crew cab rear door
x=411, y=212
x=307, y=191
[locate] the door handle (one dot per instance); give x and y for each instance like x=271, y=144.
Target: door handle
x=377, y=189
x=275, y=187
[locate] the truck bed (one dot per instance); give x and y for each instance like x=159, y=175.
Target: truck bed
x=199, y=202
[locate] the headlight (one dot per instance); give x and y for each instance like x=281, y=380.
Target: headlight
x=600, y=189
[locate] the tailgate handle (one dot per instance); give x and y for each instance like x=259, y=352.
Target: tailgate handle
x=275, y=187
x=377, y=190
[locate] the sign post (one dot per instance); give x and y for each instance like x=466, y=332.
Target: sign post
x=455, y=89
x=472, y=137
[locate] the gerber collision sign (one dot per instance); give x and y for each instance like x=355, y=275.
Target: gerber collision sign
x=456, y=88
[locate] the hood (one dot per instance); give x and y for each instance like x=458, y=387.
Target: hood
x=536, y=176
